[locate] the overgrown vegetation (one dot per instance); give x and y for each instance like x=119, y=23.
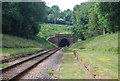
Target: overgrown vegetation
x=56, y=16
x=22, y=19
x=13, y=46
x=49, y=30
x=100, y=54
x=105, y=43
x=91, y=19
x=12, y=52
x=18, y=42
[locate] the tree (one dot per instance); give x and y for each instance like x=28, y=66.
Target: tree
x=110, y=12
x=67, y=15
x=80, y=20
x=93, y=19
x=56, y=16
x=23, y=18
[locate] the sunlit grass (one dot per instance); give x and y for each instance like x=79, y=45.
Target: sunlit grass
x=70, y=68
x=107, y=43
x=49, y=30
x=100, y=54
x=9, y=41
x=103, y=59
x=11, y=52
x=106, y=64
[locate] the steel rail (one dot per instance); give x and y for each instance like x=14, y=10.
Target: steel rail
x=13, y=71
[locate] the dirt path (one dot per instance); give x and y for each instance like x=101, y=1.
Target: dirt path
x=85, y=67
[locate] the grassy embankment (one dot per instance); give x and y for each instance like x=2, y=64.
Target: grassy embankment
x=12, y=45
x=99, y=53
x=49, y=30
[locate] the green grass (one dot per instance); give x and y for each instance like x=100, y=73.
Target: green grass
x=4, y=65
x=12, y=45
x=70, y=68
x=50, y=72
x=10, y=52
x=49, y=30
x=17, y=50
x=105, y=43
x=100, y=54
x=18, y=42
x=95, y=59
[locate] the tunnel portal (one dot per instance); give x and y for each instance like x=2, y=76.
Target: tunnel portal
x=64, y=43
x=63, y=40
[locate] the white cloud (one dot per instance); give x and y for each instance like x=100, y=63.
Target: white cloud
x=64, y=4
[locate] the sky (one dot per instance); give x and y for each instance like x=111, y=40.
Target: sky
x=64, y=4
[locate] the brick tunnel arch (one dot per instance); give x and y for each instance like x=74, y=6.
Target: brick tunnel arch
x=63, y=43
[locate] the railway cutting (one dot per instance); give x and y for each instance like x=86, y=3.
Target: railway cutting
x=13, y=71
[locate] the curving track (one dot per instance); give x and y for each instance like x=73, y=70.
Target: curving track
x=13, y=71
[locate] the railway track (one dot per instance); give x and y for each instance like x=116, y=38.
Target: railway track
x=13, y=71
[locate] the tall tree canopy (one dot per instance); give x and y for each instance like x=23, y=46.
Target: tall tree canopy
x=89, y=19
x=95, y=18
x=22, y=18
x=56, y=16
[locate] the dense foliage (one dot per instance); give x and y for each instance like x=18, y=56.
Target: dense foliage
x=95, y=18
x=22, y=19
x=90, y=19
x=56, y=16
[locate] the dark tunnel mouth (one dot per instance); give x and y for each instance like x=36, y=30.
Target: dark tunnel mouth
x=63, y=43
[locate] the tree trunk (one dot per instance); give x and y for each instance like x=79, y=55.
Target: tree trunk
x=103, y=31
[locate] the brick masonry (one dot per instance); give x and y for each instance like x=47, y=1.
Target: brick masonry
x=58, y=37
